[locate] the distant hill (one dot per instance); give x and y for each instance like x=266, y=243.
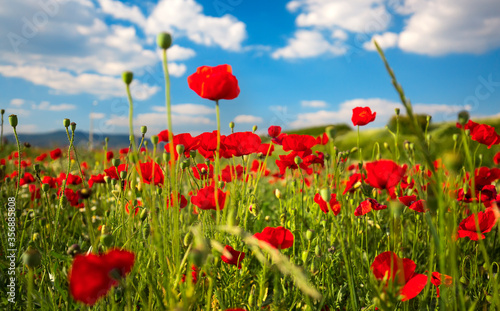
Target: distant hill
x=60, y=138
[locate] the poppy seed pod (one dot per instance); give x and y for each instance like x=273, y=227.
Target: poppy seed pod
x=66, y=122
x=127, y=77
x=144, y=129
x=180, y=149
x=73, y=126
x=164, y=40
x=13, y=120
x=32, y=257
x=106, y=239
x=2, y=111
x=231, y=125
x=154, y=139
x=254, y=128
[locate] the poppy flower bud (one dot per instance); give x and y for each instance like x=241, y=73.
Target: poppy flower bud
x=127, y=77
x=13, y=120
x=45, y=187
x=180, y=149
x=144, y=129
x=467, y=132
x=297, y=160
x=184, y=164
x=115, y=162
x=166, y=156
x=146, y=231
x=325, y=194
x=221, y=184
x=107, y=179
x=159, y=190
x=254, y=128
x=251, y=298
x=317, y=251
x=267, y=218
x=309, y=234
x=463, y=117
x=73, y=126
x=123, y=175
x=2, y=111
x=73, y=250
x=32, y=257
x=397, y=111
x=455, y=137
x=106, y=239
x=231, y=125
x=27, y=145
x=66, y=122
x=154, y=139
x=36, y=167
x=304, y=256
x=354, y=150
x=164, y=40
x=277, y=193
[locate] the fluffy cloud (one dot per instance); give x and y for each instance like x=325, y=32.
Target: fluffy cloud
x=121, y=11
x=383, y=107
x=97, y=115
x=309, y=43
x=17, y=102
x=244, y=118
x=67, y=83
x=45, y=105
x=451, y=26
x=385, y=41
x=186, y=18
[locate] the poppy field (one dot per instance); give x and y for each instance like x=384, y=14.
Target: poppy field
x=244, y=222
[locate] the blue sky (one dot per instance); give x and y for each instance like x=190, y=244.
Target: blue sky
x=299, y=63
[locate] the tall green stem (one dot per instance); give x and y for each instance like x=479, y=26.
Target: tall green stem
x=130, y=119
x=18, y=162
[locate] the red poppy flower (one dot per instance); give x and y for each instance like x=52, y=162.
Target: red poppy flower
x=279, y=140
x=322, y=139
x=438, y=279
x=147, y=173
x=189, y=143
x=298, y=142
x=49, y=180
x=113, y=172
x=35, y=193
x=26, y=179
x=96, y=179
x=412, y=203
x=288, y=161
x=384, y=174
x=194, y=275
x=130, y=205
x=55, y=154
x=266, y=150
x=72, y=197
x=41, y=157
x=181, y=201
x=496, y=158
x=486, y=221
x=485, y=134
x=214, y=82
x=230, y=172
x=202, y=172
x=92, y=276
x=235, y=257
x=163, y=136
x=367, y=205
x=242, y=143
x=109, y=155
x=279, y=237
x=274, y=131
x=469, y=126
x=334, y=204
x=362, y=116
x=485, y=176
x=401, y=271
x=73, y=179
x=205, y=198
x=123, y=151
x=353, y=183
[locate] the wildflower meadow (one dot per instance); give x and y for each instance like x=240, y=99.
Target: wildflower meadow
x=281, y=221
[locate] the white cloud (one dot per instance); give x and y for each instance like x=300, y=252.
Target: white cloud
x=97, y=115
x=45, y=105
x=67, y=83
x=313, y=103
x=308, y=43
x=17, y=102
x=176, y=53
x=441, y=27
x=185, y=18
x=362, y=16
x=243, y=118
x=121, y=11
x=385, y=41
x=383, y=107
x=17, y=111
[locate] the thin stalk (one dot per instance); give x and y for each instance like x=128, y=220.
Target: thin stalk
x=18, y=163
